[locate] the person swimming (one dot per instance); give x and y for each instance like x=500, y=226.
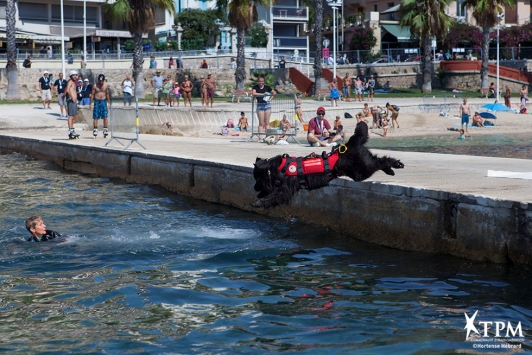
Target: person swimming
x=35, y=225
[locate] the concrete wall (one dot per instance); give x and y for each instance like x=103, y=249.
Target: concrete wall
x=401, y=217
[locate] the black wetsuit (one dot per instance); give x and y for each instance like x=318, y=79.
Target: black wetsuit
x=48, y=236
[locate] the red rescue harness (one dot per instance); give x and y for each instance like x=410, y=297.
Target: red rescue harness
x=311, y=164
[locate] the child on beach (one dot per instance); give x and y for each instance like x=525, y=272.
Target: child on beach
x=166, y=92
x=384, y=126
x=176, y=92
x=337, y=122
x=169, y=126
x=360, y=118
x=35, y=225
x=463, y=135
x=243, y=122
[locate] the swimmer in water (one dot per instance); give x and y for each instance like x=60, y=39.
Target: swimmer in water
x=463, y=135
x=35, y=225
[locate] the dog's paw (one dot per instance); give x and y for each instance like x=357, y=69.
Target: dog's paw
x=257, y=204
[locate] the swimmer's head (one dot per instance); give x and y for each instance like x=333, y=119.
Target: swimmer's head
x=32, y=222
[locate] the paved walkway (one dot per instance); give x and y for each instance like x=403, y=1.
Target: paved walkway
x=439, y=172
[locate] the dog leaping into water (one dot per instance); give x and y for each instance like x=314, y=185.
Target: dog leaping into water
x=278, y=179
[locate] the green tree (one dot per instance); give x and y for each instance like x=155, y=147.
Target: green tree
x=11, y=67
x=485, y=13
x=426, y=19
x=242, y=16
x=129, y=44
x=199, y=24
x=140, y=18
x=259, y=37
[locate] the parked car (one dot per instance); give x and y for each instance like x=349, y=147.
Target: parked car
x=414, y=59
x=383, y=59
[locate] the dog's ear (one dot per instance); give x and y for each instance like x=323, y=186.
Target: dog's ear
x=257, y=159
x=361, y=133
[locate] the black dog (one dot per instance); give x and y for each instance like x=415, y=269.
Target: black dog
x=279, y=178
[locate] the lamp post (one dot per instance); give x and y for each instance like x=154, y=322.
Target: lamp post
x=499, y=18
x=335, y=4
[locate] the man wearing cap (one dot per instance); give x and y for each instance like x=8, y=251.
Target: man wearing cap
x=211, y=88
x=157, y=85
x=44, y=86
x=71, y=95
x=85, y=91
x=318, y=130
x=59, y=88
x=102, y=101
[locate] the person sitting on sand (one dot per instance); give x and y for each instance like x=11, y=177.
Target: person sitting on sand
x=477, y=120
x=243, y=122
x=338, y=136
x=337, y=122
x=285, y=124
x=35, y=225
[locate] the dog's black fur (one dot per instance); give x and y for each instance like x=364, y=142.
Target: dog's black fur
x=357, y=162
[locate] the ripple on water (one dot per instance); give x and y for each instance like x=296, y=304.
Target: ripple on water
x=143, y=270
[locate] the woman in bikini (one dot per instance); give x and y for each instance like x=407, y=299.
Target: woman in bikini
x=203, y=90
x=299, y=112
x=186, y=89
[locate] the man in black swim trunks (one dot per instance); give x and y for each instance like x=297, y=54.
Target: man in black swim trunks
x=35, y=225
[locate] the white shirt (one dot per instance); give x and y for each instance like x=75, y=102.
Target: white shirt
x=128, y=87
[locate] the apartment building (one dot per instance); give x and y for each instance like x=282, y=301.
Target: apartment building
x=38, y=24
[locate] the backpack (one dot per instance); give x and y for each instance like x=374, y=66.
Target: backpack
x=395, y=107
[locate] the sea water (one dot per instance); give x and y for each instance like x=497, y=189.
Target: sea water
x=143, y=271
x=488, y=145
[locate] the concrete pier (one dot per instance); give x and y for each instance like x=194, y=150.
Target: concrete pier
x=437, y=204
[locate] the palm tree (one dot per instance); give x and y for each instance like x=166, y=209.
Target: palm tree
x=242, y=16
x=426, y=19
x=485, y=13
x=318, y=28
x=11, y=67
x=140, y=18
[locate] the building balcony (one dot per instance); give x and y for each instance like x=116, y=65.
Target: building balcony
x=290, y=42
x=289, y=13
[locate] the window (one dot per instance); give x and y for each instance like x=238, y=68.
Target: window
x=75, y=14
x=461, y=13
x=375, y=8
x=391, y=15
x=31, y=11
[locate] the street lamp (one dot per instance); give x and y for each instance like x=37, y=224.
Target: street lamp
x=499, y=18
x=335, y=4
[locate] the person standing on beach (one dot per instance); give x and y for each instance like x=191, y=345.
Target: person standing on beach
x=72, y=103
x=186, y=91
x=347, y=85
x=261, y=93
x=507, y=96
x=211, y=88
x=44, y=86
x=102, y=104
x=59, y=88
x=334, y=95
x=465, y=110
x=523, y=93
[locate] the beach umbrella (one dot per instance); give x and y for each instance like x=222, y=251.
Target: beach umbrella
x=487, y=115
x=496, y=107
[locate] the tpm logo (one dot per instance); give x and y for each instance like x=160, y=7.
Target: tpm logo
x=498, y=326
